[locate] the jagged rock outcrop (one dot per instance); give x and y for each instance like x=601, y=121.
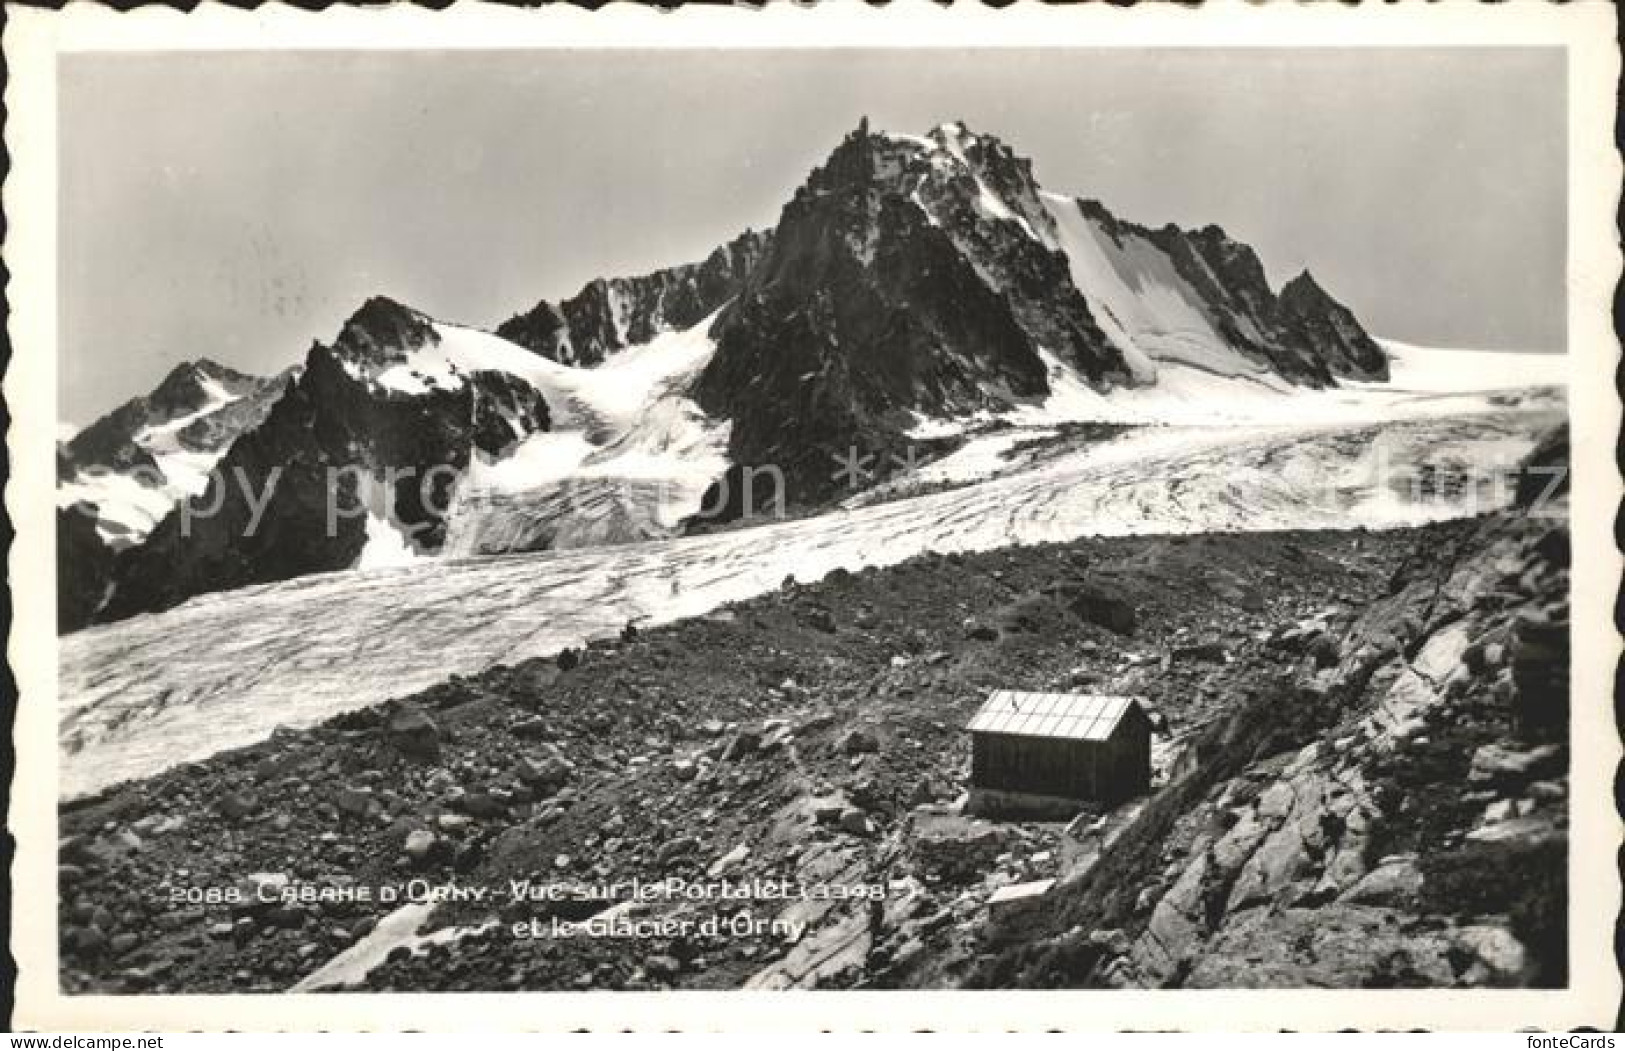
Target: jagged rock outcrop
x=338, y=454
x=197, y=392
x=932, y=276
x=1214, y=308
x=159, y=442
x=1330, y=330
x=84, y=567
x=213, y=431
x=891, y=289
x=1545, y=474
x=120, y=475
x=611, y=314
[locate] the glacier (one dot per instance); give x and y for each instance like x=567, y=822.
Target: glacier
x=628, y=456
x=141, y=695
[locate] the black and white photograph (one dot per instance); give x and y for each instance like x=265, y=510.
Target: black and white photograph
x=543, y=519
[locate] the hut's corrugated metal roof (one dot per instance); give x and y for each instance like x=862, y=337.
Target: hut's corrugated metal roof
x=1077, y=716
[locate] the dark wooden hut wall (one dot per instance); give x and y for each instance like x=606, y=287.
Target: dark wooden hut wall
x=1115, y=768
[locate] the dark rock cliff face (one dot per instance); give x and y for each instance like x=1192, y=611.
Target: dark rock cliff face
x=199, y=407
x=214, y=431
x=333, y=447
x=609, y=315
x=884, y=294
x=988, y=204
x=926, y=275
x=1302, y=334
x=109, y=443
x=1332, y=330
x=84, y=567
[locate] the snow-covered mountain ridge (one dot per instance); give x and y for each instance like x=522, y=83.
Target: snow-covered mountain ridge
x=133, y=464
x=915, y=287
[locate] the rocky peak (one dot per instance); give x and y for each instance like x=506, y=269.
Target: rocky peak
x=610, y=314
x=111, y=442
x=214, y=370
x=1332, y=329
x=1305, y=291
x=953, y=170
x=183, y=390
x=903, y=277
x=1003, y=180
x=330, y=417
x=382, y=333
x=1300, y=334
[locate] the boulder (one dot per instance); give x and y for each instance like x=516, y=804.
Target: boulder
x=775, y=739
x=1233, y=589
x=354, y=802
x=1500, y=954
x=981, y=632
x=1548, y=791
x=1210, y=651
x=1395, y=881
x=682, y=846
x=957, y=849
x=1097, y=602
x=816, y=721
x=1509, y=767
x=1324, y=650
x=728, y=861
x=1035, y=615
x=1013, y=903
x=285, y=917
x=547, y=769
x=1528, y=830
x=926, y=790
x=742, y=744
x=419, y=844
x=827, y=811
x=410, y=731
x=482, y=805
x=821, y=619
x=858, y=741
x=234, y=806
x=532, y=729
x=1111, y=941
x=661, y=968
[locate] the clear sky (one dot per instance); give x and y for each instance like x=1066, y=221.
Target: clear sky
x=239, y=205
